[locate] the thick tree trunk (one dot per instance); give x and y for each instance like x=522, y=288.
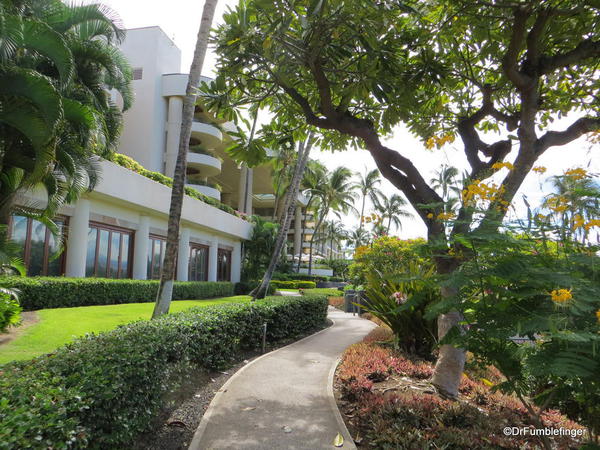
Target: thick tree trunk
x=451, y=360
x=165, y=290
x=286, y=218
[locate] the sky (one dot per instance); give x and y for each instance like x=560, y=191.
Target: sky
x=180, y=20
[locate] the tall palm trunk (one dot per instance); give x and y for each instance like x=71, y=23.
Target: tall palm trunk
x=312, y=241
x=302, y=234
x=165, y=291
x=286, y=217
x=362, y=212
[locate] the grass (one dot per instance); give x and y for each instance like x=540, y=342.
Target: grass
x=60, y=326
x=322, y=291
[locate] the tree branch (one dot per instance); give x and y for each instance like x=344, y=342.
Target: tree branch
x=586, y=49
x=510, y=59
x=577, y=129
x=324, y=89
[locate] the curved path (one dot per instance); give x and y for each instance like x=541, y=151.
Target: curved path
x=284, y=399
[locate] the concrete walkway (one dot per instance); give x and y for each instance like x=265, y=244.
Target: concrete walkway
x=284, y=399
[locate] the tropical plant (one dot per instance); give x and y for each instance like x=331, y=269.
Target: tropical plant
x=167, y=277
x=392, y=209
x=400, y=301
x=56, y=63
x=10, y=264
x=368, y=187
x=335, y=195
x=259, y=248
x=356, y=70
x=359, y=238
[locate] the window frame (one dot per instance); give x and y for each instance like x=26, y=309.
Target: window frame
x=229, y=253
x=206, y=248
x=46, y=255
x=150, y=264
x=110, y=228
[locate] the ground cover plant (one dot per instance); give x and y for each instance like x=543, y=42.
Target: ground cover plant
x=60, y=326
x=102, y=390
x=389, y=404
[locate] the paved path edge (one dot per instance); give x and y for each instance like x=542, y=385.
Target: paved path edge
x=348, y=442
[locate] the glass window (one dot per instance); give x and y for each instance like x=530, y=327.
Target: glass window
x=108, y=253
x=42, y=253
x=198, y=265
x=223, y=265
x=156, y=254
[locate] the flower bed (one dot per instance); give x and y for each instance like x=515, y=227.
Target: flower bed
x=387, y=400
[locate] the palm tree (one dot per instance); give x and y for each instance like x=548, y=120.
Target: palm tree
x=334, y=233
x=56, y=62
x=287, y=214
x=336, y=195
x=582, y=195
x=367, y=184
x=445, y=181
x=359, y=237
x=165, y=290
x=315, y=177
x=392, y=209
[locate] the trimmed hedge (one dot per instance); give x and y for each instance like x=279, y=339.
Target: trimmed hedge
x=278, y=284
x=245, y=287
x=57, y=292
x=303, y=277
x=103, y=390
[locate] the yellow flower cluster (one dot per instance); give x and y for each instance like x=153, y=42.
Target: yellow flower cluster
x=373, y=218
x=578, y=221
x=558, y=203
x=446, y=216
x=438, y=141
x=479, y=190
x=539, y=169
x=360, y=251
x=598, y=315
x=577, y=174
x=430, y=216
x=500, y=165
x=561, y=295
x=540, y=217
x=592, y=223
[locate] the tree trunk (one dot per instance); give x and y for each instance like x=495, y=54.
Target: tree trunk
x=286, y=218
x=312, y=241
x=362, y=213
x=451, y=360
x=165, y=290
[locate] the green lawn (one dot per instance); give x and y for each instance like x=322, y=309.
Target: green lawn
x=62, y=325
x=325, y=291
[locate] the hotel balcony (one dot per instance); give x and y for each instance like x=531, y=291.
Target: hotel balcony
x=209, y=191
x=206, y=134
x=203, y=161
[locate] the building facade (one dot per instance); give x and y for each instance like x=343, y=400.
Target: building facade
x=119, y=230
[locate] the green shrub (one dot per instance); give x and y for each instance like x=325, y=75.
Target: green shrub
x=102, y=390
x=278, y=284
x=134, y=166
x=245, y=287
x=10, y=311
x=56, y=292
x=303, y=277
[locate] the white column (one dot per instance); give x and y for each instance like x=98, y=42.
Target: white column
x=298, y=231
x=183, y=257
x=77, y=240
x=140, y=249
x=212, y=260
x=242, y=188
x=236, y=262
x=174, y=117
x=249, y=191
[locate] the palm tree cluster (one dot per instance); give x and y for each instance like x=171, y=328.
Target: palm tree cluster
x=58, y=66
x=332, y=194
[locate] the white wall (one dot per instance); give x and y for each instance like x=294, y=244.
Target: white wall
x=144, y=127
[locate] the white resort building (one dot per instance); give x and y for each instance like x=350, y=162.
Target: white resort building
x=119, y=230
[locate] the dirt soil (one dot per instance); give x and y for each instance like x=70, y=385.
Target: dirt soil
x=28, y=318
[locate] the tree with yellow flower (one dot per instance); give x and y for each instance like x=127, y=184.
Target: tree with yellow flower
x=354, y=71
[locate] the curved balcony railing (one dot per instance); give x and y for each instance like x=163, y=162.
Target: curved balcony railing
x=207, y=165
